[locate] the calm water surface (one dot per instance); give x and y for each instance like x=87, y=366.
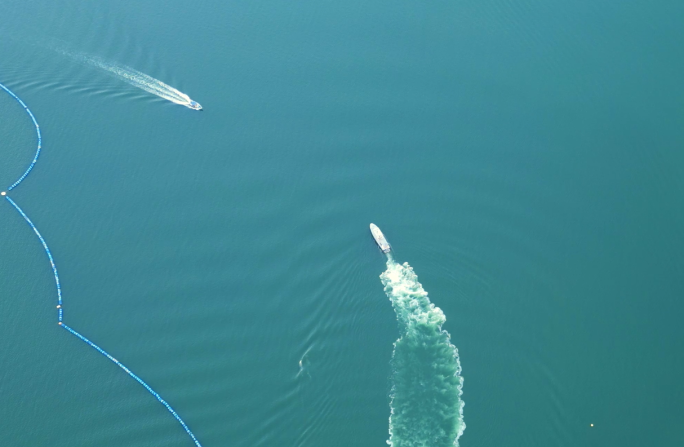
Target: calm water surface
x=524, y=158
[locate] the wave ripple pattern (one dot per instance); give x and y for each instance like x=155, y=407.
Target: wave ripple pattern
x=60, y=309
x=134, y=78
x=143, y=81
x=426, y=405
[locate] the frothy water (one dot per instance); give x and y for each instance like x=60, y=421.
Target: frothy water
x=135, y=78
x=426, y=405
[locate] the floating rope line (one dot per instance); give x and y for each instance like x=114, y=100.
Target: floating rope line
x=141, y=381
x=47, y=250
x=60, y=310
x=40, y=139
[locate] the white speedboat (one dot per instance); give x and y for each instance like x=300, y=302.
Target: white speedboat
x=194, y=105
x=380, y=239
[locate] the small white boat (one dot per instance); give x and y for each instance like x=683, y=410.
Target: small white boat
x=380, y=239
x=194, y=105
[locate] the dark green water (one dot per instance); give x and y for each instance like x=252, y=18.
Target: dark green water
x=525, y=158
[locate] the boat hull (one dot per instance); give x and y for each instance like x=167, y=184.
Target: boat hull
x=380, y=239
x=194, y=105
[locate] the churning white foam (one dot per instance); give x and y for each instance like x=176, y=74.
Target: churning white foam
x=426, y=405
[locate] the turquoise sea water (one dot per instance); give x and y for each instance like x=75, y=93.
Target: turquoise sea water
x=524, y=158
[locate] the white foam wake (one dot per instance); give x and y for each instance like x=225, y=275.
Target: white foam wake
x=135, y=78
x=426, y=405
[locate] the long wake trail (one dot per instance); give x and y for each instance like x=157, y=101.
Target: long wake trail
x=426, y=405
x=133, y=77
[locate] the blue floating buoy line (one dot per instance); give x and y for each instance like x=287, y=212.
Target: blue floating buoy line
x=60, y=310
x=40, y=138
